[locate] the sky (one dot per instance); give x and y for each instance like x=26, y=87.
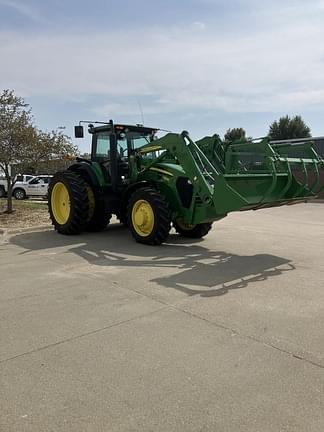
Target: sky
x=199, y=65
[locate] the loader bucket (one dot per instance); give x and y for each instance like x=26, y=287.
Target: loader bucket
x=263, y=173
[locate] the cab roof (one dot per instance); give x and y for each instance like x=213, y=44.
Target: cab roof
x=124, y=128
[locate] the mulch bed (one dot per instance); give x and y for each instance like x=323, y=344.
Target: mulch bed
x=24, y=216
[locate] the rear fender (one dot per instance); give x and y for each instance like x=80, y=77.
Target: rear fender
x=87, y=172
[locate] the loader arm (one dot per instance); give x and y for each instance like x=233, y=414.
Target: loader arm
x=212, y=196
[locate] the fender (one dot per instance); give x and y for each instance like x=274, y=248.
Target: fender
x=133, y=187
x=87, y=172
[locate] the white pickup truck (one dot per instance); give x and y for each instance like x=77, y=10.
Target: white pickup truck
x=27, y=186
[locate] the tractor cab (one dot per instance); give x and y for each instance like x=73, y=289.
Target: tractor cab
x=117, y=148
x=122, y=139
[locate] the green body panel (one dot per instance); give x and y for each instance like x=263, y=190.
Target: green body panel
x=205, y=180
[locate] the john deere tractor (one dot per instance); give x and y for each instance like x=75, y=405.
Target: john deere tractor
x=151, y=183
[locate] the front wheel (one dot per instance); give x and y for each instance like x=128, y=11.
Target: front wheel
x=19, y=194
x=148, y=216
x=192, y=231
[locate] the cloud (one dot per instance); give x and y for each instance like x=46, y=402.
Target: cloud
x=276, y=65
x=23, y=9
x=198, y=25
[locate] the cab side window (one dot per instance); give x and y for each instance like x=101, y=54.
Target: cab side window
x=103, y=144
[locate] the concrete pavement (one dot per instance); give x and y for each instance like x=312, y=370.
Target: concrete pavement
x=99, y=333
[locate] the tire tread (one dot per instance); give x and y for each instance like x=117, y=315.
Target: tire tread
x=79, y=203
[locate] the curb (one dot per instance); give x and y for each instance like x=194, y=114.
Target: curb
x=317, y=201
x=5, y=231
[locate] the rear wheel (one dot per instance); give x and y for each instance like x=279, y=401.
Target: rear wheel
x=68, y=203
x=19, y=194
x=99, y=218
x=149, y=216
x=192, y=231
x=2, y=192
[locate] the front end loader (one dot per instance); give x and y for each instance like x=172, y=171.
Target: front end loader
x=151, y=184
x=267, y=173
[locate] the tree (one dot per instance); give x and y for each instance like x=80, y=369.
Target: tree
x=47, y=149
x=289, y=128
x=235, y=134
x=15, y=121
x=23, y=146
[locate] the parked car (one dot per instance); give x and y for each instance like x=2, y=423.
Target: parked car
x=26, y=185
x=37, y=186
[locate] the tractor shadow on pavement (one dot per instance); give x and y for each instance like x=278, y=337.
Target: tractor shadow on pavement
x=191, y=268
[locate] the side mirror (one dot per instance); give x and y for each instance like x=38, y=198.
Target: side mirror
x=78, y=132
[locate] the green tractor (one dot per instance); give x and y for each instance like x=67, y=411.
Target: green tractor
x=151, y=183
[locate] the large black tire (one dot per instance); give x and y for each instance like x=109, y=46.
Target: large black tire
x=74, y=197
x=2, y=192
x=192, y=231
x=19, y=194
x=148, y=216
x=99, y=217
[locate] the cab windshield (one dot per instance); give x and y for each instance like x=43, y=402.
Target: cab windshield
x=125, y=141
x=131, y=140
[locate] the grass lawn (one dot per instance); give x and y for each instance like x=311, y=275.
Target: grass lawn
x=23, y=204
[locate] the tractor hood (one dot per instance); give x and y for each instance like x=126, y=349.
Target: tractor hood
x=167, y=169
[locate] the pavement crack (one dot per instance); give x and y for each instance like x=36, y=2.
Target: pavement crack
x=80, y=336
x=252, y=338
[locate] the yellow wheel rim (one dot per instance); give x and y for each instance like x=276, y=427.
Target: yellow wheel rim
x=60, y=203
x=184, y=226
x=143, y=218
x=92, y=201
